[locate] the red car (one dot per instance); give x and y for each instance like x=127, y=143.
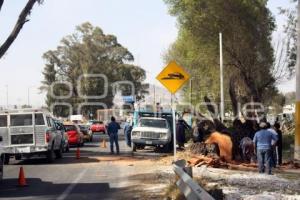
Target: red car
x=75, y=136
x=98, y=127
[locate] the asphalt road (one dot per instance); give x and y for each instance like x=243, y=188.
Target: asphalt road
x=72, y=179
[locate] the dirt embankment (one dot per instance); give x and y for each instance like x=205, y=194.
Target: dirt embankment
x=251, y=185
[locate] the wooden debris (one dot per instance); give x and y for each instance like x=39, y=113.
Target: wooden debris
x=199, y=160
x=241, y=167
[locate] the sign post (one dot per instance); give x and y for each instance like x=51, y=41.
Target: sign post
x=173, y=77
x=174, y=126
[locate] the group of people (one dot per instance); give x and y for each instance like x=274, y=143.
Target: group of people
x=266, y=143
x=251, y=140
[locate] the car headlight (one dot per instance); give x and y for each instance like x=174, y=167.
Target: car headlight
x=136, y=134
x=163, y=136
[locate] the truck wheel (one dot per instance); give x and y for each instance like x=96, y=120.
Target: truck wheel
x=166, y=148
x=59, y=152
x=50, y=155
x=133, y=146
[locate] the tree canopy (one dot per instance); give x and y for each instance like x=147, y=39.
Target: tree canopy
x=90, y=51
x=249, y=59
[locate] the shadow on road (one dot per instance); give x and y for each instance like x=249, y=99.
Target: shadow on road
x=38, y=188
x=63, y=161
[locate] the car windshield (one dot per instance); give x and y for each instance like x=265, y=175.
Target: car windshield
x=97, y=122
x=83, y=127
x=155, y=123
x=70, y=128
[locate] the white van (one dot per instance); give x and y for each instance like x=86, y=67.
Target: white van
x=29, y=132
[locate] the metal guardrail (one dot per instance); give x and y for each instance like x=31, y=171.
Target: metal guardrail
x=190, y=189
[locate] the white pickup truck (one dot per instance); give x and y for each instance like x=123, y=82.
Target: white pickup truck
x=29, y=132
x=151, y=131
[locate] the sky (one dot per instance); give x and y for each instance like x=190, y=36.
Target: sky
x=143, y=26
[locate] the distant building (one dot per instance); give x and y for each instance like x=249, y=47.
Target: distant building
x=289, y=108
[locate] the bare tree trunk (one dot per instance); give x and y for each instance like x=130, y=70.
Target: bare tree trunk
x=18, y=26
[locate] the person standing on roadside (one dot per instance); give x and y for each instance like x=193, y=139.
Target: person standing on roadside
x=263, y=145
x=181, y=126
x=274, y=146
x=279, y=142
x=112, y=130
x=127, y=132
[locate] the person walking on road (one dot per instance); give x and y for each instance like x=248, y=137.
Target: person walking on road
x=112, y=130
x=127, y=132
x=263, y=145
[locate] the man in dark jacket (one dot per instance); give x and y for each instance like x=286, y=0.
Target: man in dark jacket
x=181, y=126
x=279, y=142
x=112, y=130
x=127, y=132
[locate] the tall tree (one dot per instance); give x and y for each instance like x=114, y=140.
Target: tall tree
x=247, y=27
x=90, y=51
x=22, y=19
x=288, y=49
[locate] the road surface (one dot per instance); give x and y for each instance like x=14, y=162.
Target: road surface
x=96, y=175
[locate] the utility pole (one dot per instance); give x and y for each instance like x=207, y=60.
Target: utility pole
x=297, y=115
x=174, y=124
x=154, y=96
x=28, y=96
x=191, y=91
x=191, y=97
x=221, y=79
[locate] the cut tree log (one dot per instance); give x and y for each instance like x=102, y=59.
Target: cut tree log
x=225, y=145
x=205, y=149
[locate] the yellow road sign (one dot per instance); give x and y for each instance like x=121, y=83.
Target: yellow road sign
x=173, y=77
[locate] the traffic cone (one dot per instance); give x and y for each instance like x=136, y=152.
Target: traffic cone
x=78, y=153
x=103, y=144
x=22, y=181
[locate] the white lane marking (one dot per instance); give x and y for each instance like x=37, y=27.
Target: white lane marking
x=71, y=186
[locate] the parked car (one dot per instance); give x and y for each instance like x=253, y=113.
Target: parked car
x=65, y=138
x=75, y=136
x=98, y=127
x=151, y=131
x=29, y=132
x=85, y=129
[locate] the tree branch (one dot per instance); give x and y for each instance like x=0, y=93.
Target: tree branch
x=18, y=26
x=1, y=3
